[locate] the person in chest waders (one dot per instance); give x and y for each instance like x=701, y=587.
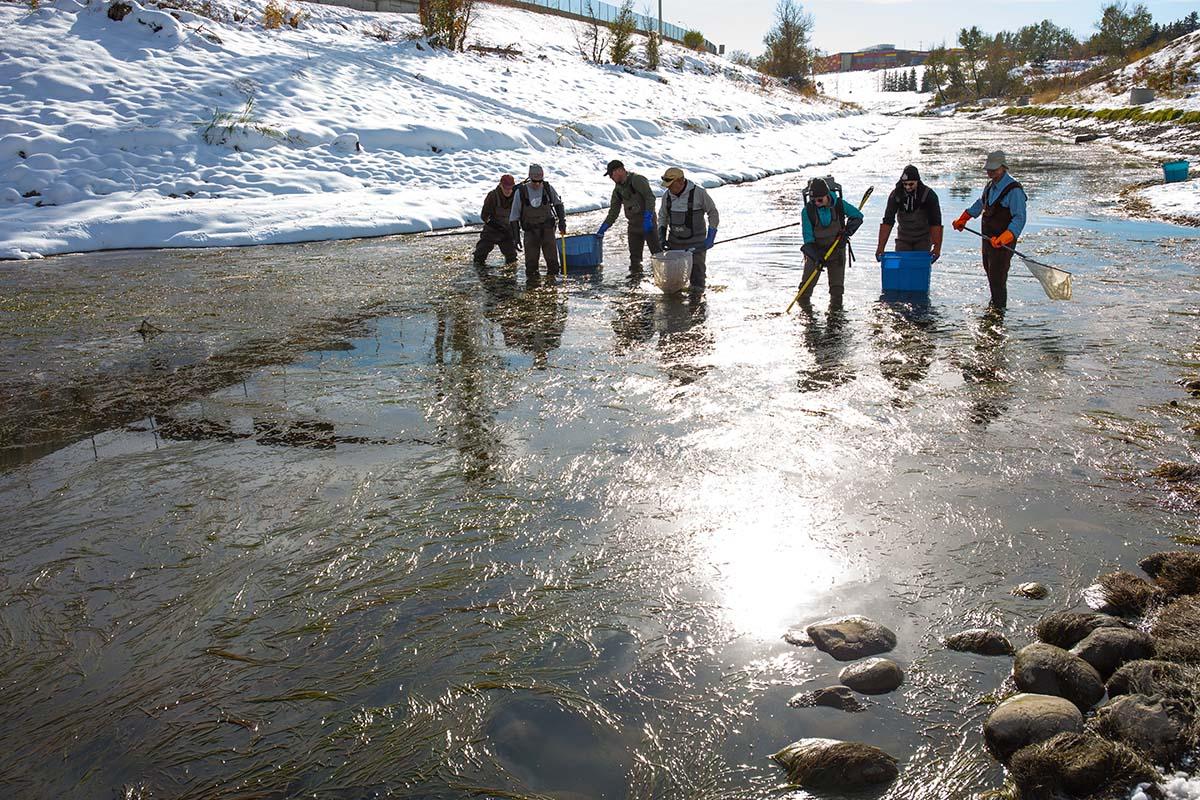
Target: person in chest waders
x=681, y=215
x=497, y=230
x=827, y=218
x=632, y=192
x=538, y=208
x=1003, y=208
x=917, y=208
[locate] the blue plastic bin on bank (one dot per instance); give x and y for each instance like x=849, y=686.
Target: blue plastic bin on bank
x=906, y=271
x=1175, y=171
x=584, y=251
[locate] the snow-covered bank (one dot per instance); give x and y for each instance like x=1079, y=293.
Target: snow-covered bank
x=865, y=88
x=180, y=131
x=1177, y=201
x=1173, y=65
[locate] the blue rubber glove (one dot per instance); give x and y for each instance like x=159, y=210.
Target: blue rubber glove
x=712, y=238
x=603, y=228
x=647, y=222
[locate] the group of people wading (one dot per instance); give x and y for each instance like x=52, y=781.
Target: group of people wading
x=525, y=216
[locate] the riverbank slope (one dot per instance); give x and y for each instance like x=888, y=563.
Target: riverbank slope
x=165, y=128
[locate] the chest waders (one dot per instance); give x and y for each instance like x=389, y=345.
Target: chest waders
x=683, y=223
x=536, y=217
x=997, y=218
x=913, y=231
x=995, y=221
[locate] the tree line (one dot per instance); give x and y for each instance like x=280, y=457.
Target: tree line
x=1008, y=62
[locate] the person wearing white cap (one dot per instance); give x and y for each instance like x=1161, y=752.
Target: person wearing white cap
x=537, y=207
x=681, y=215
x=1002, y=205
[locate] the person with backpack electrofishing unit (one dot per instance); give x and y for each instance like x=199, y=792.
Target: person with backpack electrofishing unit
x=681, y=216
x=827, y=219
x=538, y=208
x=633, y=193
x=1002, y=205
x=498, y=231
x=919, y=213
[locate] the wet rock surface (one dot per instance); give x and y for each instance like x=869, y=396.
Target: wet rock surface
x=836, y=765
x=1031, y=590
x=1176, y=572
x=1147, y=725
x=1045, y=669
x=850, y=638
x=1153, y=677
x=873, y=676
x=1122, y=593
x=1106, y=649
x=981, y=641
x=1067, y=628
x=839, y=697
x=1078, y=765
x=1026, y=719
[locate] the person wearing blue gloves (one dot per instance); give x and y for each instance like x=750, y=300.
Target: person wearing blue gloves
x=683, y=211
x=632, y=192
x=827, y=219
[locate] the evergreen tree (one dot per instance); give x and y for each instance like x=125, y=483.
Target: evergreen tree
x=912, y=79
x=620, y=47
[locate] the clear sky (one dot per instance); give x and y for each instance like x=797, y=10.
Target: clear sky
x=853, y=24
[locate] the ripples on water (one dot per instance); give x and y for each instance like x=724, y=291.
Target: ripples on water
x=518, y=541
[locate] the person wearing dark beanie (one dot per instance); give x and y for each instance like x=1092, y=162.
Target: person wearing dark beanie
x=920, y=215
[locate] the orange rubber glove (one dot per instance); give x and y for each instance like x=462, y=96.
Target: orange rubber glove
x=961, y=222
x=1003, y=240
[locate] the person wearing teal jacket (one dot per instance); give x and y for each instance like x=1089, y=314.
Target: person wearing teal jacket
x=827, y=219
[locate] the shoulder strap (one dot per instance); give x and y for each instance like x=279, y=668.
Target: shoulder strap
x=691, y=201
x=524, y=194
x=924, y=195
x=1004, y=193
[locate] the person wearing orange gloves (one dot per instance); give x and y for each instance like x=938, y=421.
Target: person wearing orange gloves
x=1002, y=205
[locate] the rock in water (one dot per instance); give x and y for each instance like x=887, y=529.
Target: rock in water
x=1155, y=677
x=1068, y=628
x=839, y=697
x=1108, y=648
x=1045, y=669
x=1177, y=572
x=1032, y=590
x=872, y=676
x=1146, y=725
x=1026, y=719
x=836, y=765
x=1122, y=593
x=981, y=641
x=1078, y=765
x=848, y=638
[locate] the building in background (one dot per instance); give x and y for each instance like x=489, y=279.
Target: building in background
x=880, y=56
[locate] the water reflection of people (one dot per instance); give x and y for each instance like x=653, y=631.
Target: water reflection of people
x=985, y=370
x=532, y=319
x=827, y=338
x=903, y=334
x=676, y=319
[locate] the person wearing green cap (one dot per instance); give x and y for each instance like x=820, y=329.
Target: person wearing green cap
x=1003, y=208
x=632, y=192
x=682, y=213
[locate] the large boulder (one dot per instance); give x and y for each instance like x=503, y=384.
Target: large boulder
x=981, y=641
x=1155, y=677
x=839, y=697
x=872, y=676
x=1045, y=669
x=1156, y=728
x=1122, y=593
x=848, y=638
x=1108, y=648
x=1026, y=719
x=1068, y=628
x=1177, y=571
x=836, y=765
x=1078, y=765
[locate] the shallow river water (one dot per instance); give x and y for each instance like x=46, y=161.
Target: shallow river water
x=357, y=520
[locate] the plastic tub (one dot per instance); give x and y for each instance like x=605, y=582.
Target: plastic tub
x=906, y=271
x=584, y=251
x=672, y=270
x=1175, y=171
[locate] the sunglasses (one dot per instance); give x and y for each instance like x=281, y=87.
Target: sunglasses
x=535, y=180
